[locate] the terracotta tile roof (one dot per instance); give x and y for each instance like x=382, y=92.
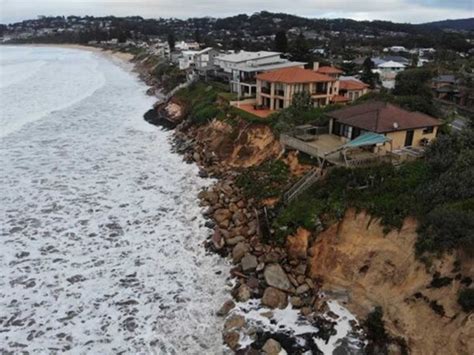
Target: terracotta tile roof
x=352, y=85
x=382, y=117
x=340, y=98
x=329, y=70
x=294, y=76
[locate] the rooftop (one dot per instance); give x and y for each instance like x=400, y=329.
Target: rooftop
x=271, y=66
x=382, y=117
x=329, y=70
x=244, y=56
x=352, y=84
x=293, y=76
x=391, y=64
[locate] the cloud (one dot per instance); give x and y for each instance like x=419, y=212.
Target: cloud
x=415, y=11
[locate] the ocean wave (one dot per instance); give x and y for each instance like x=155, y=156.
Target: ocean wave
x=65, y=79
x=101, y=249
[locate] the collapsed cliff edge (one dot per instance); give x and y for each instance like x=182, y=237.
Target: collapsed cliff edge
x=354, y=260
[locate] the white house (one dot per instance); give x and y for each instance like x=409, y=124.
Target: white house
x=388, y=71
x=186, y=46
x=395, y=49
x=186, y=59
x=242, y=68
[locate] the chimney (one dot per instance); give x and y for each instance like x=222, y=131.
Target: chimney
x=315, y=66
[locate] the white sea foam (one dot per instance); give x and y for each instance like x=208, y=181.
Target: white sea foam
x=100, y=227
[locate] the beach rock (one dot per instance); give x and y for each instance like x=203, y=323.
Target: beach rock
x=222, y=217
x=296, y=302
x=239, y=251
x=235, y=240
x=209, y=196
x=249, y=262
x=231, y=339
x=276, y=277
x=271, y=347
x=226, y=308
x=297, y=244
x=234, y=322
x=302, y=289
x=274, y=298
x=217, y=240
x=306, y=311
x=243, y=293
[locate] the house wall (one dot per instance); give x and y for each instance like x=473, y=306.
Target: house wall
x=398, y=138
x=227, y=66
x=332, y=89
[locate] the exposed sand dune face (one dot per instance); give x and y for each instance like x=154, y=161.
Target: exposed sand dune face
x=376, y=269
x=243, y=146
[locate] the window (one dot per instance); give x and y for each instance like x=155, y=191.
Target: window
x=428, y=130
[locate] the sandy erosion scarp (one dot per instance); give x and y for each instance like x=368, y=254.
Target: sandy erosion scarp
x=243, y=145
x=355, y=256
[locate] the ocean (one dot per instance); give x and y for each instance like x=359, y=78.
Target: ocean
x=101, y=230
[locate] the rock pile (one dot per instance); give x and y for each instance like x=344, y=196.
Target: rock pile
x=276, y=274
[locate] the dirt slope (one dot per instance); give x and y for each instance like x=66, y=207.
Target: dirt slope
x=355, y=256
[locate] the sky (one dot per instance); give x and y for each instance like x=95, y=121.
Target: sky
x=412, y=11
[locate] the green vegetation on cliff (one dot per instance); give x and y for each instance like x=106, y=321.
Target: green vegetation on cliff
x=437, y=190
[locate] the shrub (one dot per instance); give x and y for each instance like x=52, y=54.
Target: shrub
x=375, y=327
x=466, y=299
x=264, y=181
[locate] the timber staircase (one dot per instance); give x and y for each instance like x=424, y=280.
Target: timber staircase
x=302, y=185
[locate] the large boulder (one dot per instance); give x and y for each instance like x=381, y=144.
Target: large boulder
x=226, y=308
x=274, y=298
x=234, y=322
x=231, y=339
x=276, y=277
x=271, y=347
x=249, y=263
x=239, y=251
x=243, y=293
x=217, y=240
x=222, y=217
x=297, y=244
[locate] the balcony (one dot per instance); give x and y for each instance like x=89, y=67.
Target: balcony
x=280, y=92
x=265, y=90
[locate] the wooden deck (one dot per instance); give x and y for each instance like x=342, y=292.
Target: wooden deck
x=327, y=143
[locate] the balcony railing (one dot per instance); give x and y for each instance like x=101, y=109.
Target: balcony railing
x=319, y=92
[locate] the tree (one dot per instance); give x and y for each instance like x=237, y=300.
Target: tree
x=197, y=36
x=281, y=42
x=171, y=41
x=413, y=82
x=368, y=76
x=236, y=45
x=300, y=49
x=301, y=101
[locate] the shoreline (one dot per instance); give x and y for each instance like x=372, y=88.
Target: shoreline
x=122, y=56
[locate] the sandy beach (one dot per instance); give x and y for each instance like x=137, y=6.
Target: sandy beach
x=126, y=57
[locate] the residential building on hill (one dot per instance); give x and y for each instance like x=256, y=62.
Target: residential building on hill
x=243, y=67
x=351, y=88
x=388, y=72
x=276, y=89
x=403, y=128
x=365, y=134
x=331, y=71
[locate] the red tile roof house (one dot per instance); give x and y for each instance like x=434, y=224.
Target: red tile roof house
x=404, y=128
x=275, y=89
x=365, y=134
x=352, y=89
